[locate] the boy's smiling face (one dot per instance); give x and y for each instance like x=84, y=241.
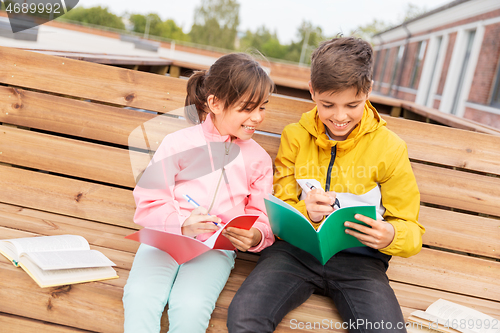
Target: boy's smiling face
x=341, y=111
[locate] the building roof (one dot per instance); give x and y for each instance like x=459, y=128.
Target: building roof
x=429, y=13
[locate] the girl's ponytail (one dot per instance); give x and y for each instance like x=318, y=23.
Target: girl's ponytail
x=195, y=109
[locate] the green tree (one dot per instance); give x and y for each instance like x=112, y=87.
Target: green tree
x=157, y=27
x=310, y=37
x=265, y=42
x=412, y=11
x=367, y=31
x=95, y=15
x=216, y=23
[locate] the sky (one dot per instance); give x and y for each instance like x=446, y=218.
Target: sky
x=280, y=16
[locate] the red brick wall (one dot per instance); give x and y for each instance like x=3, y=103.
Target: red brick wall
x=409, y=63
x=378, y=70
x=486, y=69
x=407, y=96
x=487, y=118
x=436, y=104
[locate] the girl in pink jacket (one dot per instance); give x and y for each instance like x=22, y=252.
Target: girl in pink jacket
x=218, y=165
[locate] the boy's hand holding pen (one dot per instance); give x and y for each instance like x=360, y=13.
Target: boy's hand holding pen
x=320, y=203
x=199, y=222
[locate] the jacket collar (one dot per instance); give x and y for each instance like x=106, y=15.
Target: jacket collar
x=211, y=132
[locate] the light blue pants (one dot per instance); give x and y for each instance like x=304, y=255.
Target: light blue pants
x=191, y=290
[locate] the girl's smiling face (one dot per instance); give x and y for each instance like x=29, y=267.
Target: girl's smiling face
x=340, y=111
x=235, y=121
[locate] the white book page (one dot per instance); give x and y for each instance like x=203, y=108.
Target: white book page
x=69, y=259
x=66, y=276
x=462, y=318
x=50, y=243
x=9, y=250
x=284, y=204
x=210, y=242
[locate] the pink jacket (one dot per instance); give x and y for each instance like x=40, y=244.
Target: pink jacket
x=190, y=162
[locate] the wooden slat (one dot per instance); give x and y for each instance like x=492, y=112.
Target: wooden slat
x=449, y=119
x=448, y=272
x=15, y=324
x=67, y=196
x=91, y=81
x=108, y=59
x=448, y=146
x=461, y=232
x=419, y=298
x=66, y=156
x=457, y=189
x=68, y=116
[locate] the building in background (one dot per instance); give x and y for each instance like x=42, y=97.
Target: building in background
x=448, y=59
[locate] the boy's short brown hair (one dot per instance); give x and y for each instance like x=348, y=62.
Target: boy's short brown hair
x=342, y=63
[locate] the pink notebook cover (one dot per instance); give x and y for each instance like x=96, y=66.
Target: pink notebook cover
x=184, y=248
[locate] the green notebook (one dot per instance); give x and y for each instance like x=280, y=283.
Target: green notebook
x=290, y=225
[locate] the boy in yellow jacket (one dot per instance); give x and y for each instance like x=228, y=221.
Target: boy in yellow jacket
x=339, y=154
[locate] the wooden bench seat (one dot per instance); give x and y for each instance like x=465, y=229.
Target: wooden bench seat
x=65, y=168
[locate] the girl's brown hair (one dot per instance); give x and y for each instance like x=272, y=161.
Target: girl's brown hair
x=230, y=78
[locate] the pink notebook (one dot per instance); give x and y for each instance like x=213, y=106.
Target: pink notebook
x=184, y=248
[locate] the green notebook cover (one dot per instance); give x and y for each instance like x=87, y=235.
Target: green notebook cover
x=291, y=226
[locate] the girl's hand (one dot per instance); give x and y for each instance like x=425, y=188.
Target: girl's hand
x=199, y=222
x=319, y=203
x=243, y=239
x=380, y=234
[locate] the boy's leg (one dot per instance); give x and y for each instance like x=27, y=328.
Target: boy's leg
x=278, y=284
x=196, y=289
x=147, y=290
x=361, y=292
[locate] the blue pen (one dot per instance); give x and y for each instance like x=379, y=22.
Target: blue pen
x=195, y=204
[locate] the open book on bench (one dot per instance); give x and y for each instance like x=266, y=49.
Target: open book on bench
x=448, y=317
x=58, y=260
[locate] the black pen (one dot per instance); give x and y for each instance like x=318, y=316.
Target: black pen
x=312, y=187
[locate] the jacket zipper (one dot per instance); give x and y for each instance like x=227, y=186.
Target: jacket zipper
x=221, y=174
x=330, y=166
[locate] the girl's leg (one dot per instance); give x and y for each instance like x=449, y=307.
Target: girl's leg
x=147, y=290
x=196, y=289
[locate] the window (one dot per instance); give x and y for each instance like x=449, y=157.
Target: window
x=495, y=98
x=418, y=62
x=375, y=67
x=470, y=39
x=401, y=51
x=434, y=75
x=384, y=65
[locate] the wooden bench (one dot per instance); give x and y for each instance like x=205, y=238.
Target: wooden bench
x=65, y=168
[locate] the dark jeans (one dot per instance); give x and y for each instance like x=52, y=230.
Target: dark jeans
x=286, y=276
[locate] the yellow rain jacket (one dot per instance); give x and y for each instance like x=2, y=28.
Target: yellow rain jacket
x=371, y=167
